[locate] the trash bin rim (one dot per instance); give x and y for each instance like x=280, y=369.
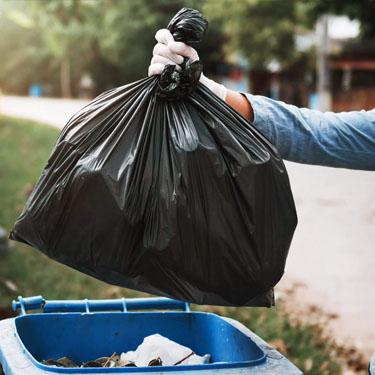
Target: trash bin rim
x=210, y=366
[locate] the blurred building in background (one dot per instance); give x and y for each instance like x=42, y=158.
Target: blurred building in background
x=350, y=64
x=353, y=77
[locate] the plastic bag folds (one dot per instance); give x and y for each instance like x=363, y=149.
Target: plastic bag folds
x=169, y=192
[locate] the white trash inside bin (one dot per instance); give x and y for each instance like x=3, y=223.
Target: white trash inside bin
x=169, y=352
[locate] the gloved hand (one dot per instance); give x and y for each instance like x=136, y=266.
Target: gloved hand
x=169, y=52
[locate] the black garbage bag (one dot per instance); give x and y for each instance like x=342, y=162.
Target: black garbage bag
x=161, y=187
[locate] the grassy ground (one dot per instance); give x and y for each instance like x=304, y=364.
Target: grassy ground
x=24, y=149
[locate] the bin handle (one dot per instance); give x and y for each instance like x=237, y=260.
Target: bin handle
x=22, y=305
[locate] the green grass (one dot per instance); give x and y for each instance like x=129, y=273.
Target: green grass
x=24, y=150
x=305, y=344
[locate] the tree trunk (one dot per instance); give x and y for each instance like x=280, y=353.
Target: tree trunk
x=65, y=80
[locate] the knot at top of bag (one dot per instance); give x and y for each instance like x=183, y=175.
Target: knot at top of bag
x=187, y=26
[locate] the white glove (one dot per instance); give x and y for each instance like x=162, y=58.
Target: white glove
x=169, y=52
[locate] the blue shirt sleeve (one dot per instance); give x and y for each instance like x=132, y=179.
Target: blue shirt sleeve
x=302, y=135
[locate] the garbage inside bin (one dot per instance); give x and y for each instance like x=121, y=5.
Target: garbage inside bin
x=169, y=352
x=155, y=350
x=162, y=187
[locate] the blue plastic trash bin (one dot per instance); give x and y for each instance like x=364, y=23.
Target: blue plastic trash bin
x=85, y=330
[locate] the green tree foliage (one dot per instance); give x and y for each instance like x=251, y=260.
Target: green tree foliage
x=24, y=58
x=362, y=10
x=68, y=29
x=262, y=30
x=58, y=41
x=41, y=40
x=55, y=43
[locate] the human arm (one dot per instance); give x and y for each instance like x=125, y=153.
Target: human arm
x=301, y=135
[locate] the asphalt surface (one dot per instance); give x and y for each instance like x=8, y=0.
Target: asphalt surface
x=333, y=250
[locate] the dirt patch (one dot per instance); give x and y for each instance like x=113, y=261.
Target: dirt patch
x=293, y=295
x=5, y=313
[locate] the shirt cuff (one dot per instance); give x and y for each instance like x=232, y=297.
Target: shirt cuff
x=261, y=114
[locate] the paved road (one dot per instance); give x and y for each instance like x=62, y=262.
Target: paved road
x=55, y=112
x=333, y=251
